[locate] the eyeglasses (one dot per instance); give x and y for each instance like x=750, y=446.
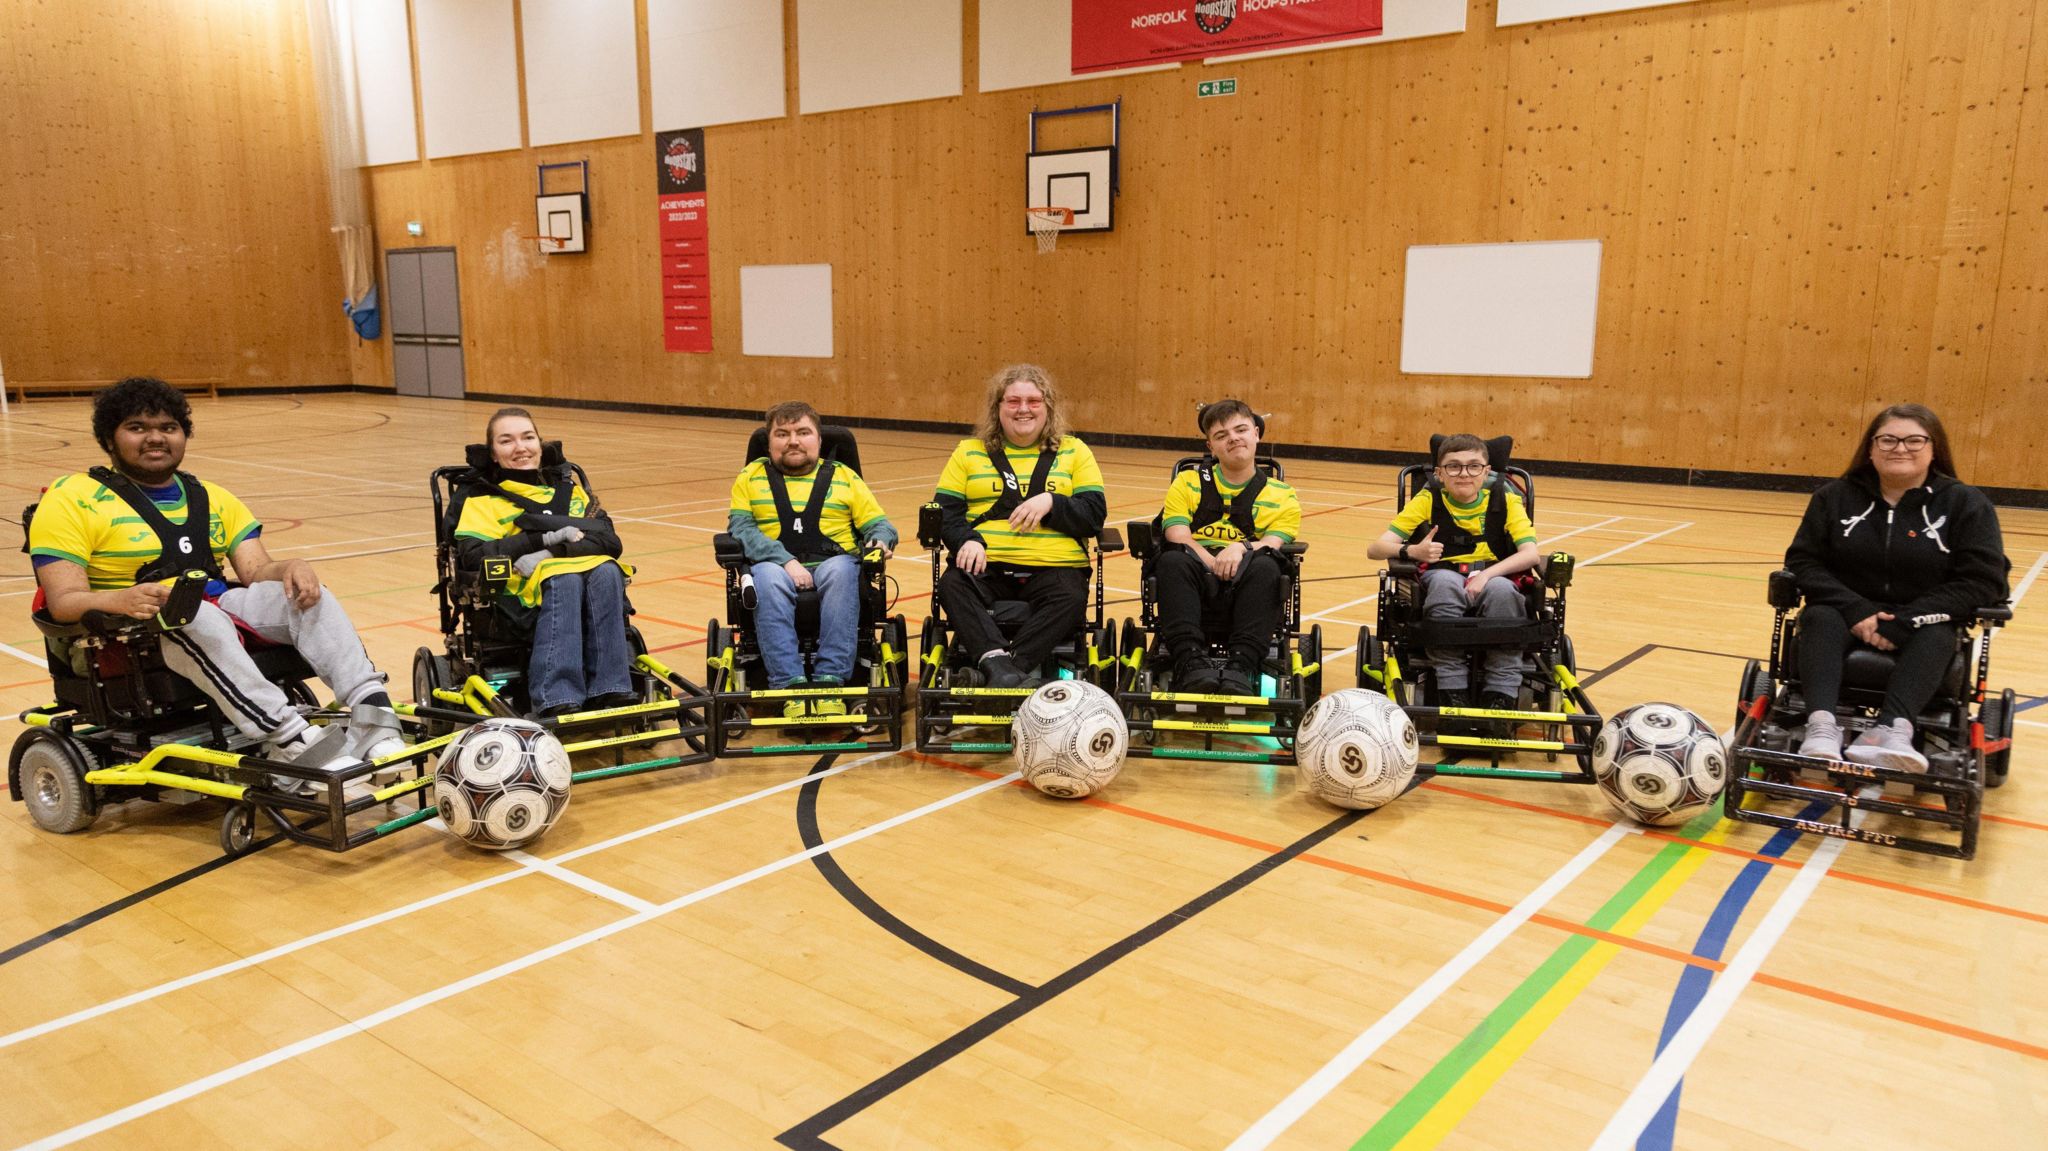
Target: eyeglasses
x=1901, y=443
x=1461, y=469
x=1023, y=402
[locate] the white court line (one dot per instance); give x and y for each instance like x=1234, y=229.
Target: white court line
x=1670, y=1066
x=2033, y=573
x=19, y=654
x=284, y=949
x=1280, y=1118
x=578, y=879
x=1637, y=543
x=363, y=1024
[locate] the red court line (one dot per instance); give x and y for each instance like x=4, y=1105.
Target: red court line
x=1784, y=984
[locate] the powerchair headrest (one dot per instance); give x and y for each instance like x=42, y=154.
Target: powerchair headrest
x=1258, y=421
x=835, y=443
x=478, y=457
x=1499, y=450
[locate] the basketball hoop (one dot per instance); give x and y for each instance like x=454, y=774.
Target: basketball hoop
x=548, y=245
x=1046, y=224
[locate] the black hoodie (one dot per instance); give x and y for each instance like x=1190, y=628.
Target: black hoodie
x=1931, y=559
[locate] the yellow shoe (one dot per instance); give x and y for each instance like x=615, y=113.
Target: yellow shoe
x=828, y=706
x=794, y=709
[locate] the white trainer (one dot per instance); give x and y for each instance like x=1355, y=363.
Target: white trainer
x=1888, y=745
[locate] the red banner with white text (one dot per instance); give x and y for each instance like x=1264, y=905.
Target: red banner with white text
x=1133, y=33
x=685, y=240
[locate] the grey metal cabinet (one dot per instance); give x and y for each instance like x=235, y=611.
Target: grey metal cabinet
x=426, y=322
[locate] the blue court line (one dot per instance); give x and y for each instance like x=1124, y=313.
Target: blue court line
x=2031, y=704
x=1694, y=981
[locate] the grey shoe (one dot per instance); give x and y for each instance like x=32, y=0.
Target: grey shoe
x=374, y=734
x=1823, y=739
x=1889, y=746
x=311, y=747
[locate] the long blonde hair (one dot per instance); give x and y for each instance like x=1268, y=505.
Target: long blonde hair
x=990, y=428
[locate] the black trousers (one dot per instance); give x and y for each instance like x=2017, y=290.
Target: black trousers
x=1192, y=601
x=1057, y=598
x=1921, y=660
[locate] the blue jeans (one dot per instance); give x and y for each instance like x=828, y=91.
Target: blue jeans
x=579, y=640
x=838, y=581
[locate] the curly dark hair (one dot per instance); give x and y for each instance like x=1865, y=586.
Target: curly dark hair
x=118, y=403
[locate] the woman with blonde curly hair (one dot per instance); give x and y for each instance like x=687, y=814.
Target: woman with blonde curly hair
x=1021, y=497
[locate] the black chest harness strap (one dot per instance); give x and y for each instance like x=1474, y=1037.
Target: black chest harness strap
x=1008, y=499
x=1243, y=514
x=1456, y=540
x=558, y=503
x=185, y=547
x=801, y=536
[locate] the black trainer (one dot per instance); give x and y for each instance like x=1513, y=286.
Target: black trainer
x=1197, y=675
x=1238, y=681
x=1453, y=697
x=1499, y=701
x=1002, y=671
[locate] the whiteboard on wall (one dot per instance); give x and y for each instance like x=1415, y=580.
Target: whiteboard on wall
x=469, y=75
x=1400, y=20
x=1501, y=309
x=1025, y=43
x=714, y=62
x=582, y=69
x=383, y=51
x=876, y=52
x=1530, y=11
x=786, y=310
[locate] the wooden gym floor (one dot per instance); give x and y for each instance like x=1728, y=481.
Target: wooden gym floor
x=912, y=952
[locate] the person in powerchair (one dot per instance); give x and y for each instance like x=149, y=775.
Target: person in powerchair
x=1225, y=523
x=1017, y=540
x=1473, y=543
x=115, y=539
x=567, y=584
x=802, y=524
x=1890, y=558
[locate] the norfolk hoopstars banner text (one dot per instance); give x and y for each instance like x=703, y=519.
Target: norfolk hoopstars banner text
x=685, y=239
x=1133, y=33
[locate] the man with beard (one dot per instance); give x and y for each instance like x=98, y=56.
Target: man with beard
x=802, y=524
x=113, y=539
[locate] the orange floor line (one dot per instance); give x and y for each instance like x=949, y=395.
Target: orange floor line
x=1632, y=944
x=1724, y=849
x=1932, y=1024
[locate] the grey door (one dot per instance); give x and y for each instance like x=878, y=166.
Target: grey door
x=426, y=322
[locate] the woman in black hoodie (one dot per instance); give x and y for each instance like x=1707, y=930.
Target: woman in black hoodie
x=1892, y=556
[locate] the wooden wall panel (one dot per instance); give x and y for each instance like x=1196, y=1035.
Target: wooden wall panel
x=164, y=207
x=1809, y=207
x=2007, y=427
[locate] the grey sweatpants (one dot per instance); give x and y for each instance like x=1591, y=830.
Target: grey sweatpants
x=1443, y=596
x=208, y=651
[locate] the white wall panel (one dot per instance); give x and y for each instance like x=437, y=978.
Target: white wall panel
x=469, y=75
x=582, y=69
x=1501, y=309
x=715, y=62
x=1530, y=11
x=1025, y=43
x=857, y=55
x=383, y=52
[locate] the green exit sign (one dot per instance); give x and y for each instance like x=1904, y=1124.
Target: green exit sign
x=1216, y=88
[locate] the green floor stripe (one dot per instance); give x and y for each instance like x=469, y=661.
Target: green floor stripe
x=1432, y=1087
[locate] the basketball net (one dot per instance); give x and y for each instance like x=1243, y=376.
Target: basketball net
x=1046, y=224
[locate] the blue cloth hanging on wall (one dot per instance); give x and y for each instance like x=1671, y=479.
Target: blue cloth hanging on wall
x=363, y=314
